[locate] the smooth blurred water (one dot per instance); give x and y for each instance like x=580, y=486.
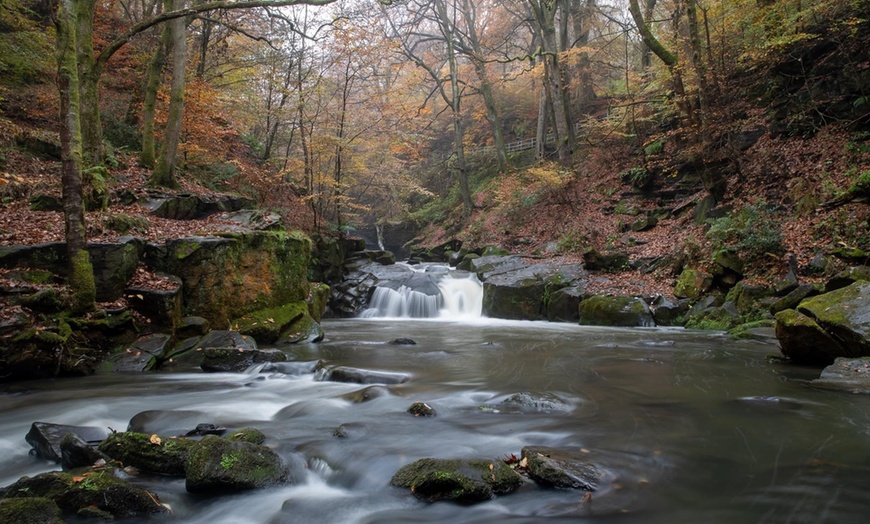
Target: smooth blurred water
x=691, y=427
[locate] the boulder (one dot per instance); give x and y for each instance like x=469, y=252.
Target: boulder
x=561, y=469
x=190, y=206
x=367, y=394
x=255, y=219
x=692, y=284
x=527, y=402
x=562, y=304
x=221, y=465
x=594, y=260
x=237, y=359
x=75, y=452
x=318, y=298
x=165, y=422
x=303, y=329
x=793, y=299
x=461, y=480
x=227, y=277
x=143, y=354
x=610, y=310
x=835, y=324
x=153, y=453
x=266, y=325
x=45, y=438
x=847, y=277
x=90, y=493
x=514, y=290
x=846, y=374
x=666, y=312
x=192, y=327
x=360, y=376
x=402, y=341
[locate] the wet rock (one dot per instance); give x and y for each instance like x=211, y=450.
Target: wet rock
x=303, y=329
x=561, y=469
x=45, y=438
x=421, y=409
x=562, y=304
x=609, y=310
x=403, y=341
x=75, y=452
x=255, y=219
x=519, y=291
x=30, y=510
x=366, y=394
x=835, y=324
x=93, y=491
x=206, y=428
x=237, y=359
x=252, y=435
x=361, y=376
x=461, y=480
x=165, y=422
x=142, y=355
x=292, y=369
x=219, y=465
x=594, y=260
x=529, y=402
x=163, y=455
x=846, y=374
x=847, y=277
x=666, y=311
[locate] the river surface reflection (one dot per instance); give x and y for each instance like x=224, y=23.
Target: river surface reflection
x=691, y=427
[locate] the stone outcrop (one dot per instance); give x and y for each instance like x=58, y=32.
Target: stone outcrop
x=835, y=324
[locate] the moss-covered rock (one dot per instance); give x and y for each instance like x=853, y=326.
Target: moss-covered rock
x=252, y=435
x=163, y=455
x=460, y=480
x=609, y=310
x=846, y=374
x=845, y=315
x=802, y=340
x=318, y=297
x=219, y=465
x=266, y=325
x=32, y=510
x=90, y=490
x=227, y=277
x=692, y=284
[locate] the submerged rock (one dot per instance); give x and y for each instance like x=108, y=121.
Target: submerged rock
x=219, y=465
x=561, y=469
x=361, y=376
x=366, y=394
x=421, y=409
x=460, y=480
x=77, y=453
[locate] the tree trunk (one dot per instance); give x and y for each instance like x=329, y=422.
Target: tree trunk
x=697, y=61
x=646, y=53
x=149, y=104
x=164, y=171
x=81, y=276
x=203, y=49
x=89, y=95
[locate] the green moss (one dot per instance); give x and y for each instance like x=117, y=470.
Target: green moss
x=141, y=451
x=266, y=325
x=229, y=460
x=81, y=282
x=30, y=510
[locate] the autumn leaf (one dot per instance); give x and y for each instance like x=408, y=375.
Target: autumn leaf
x=156, y=440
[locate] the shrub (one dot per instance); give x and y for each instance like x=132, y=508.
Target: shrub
x=753, y=231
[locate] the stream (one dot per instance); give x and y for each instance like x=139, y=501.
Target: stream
x=689, y=426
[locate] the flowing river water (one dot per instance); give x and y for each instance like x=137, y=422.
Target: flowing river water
x=690, y=427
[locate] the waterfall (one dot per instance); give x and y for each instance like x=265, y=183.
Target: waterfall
x=379, y=231
x=449, y=297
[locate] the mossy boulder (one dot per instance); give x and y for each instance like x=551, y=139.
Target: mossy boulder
x=318, y=297
x=610, y=310
x=692, y=284
x=252, y=435
x=90, y=492
x=163, y=455
x=266, y=325
x=802, y=340
x=32, y=510
x=460, y=480
x=229, y=276
x=220, y=465
x=303, y=329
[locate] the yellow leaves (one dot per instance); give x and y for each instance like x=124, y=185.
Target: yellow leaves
x=156, y=440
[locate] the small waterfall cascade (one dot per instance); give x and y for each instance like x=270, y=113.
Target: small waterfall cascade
x=433, y=292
